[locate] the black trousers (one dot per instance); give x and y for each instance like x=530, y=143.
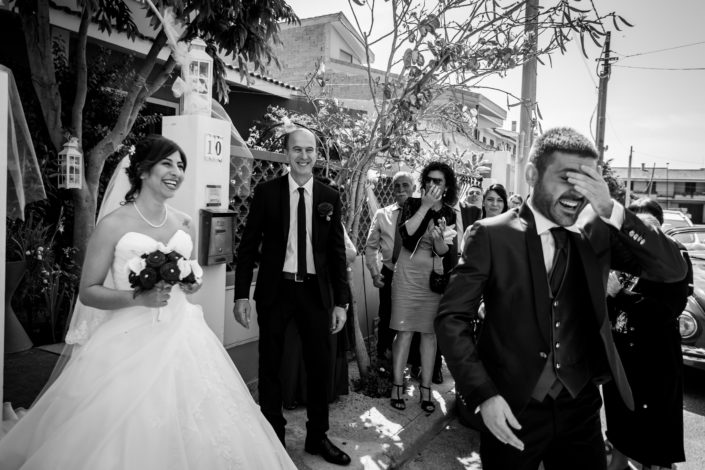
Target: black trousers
x=302, y=303
x=563, y=433
x=385, y=335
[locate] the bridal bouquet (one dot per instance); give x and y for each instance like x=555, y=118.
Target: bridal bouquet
x=162, y=265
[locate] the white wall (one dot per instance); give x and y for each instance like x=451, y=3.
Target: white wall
x=4, y=108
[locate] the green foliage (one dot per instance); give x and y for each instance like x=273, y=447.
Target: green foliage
x=376, y=384
x=245, y=31
x=50, y=285
x=617, y=187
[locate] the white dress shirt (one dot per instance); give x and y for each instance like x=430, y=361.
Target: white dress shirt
x=544, y=226
x=290, y=260
x=380, y=238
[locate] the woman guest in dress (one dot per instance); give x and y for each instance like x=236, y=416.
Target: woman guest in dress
x=429, y=243
x=644, y=316
x=150, y=386
x=494, y=202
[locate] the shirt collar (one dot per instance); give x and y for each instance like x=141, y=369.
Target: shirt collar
x=294, y=186
x=543, y=224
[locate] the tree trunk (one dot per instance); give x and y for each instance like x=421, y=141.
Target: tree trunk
x=361, y=355
x=85, y=205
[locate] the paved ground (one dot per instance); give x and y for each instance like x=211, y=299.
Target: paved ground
x=374, y=434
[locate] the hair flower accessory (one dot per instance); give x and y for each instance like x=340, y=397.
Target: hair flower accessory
x=325, y=210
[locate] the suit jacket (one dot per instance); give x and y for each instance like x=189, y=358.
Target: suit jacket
x=470, y=214
x=502, y=265
x=268, y=225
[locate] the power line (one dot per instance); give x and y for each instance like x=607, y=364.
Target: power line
x=660, y=68
x=666, y=49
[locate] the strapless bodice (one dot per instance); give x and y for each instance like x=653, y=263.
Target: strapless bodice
x=133, y=244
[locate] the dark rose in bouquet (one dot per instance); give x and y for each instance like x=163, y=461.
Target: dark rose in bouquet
x=162, y=265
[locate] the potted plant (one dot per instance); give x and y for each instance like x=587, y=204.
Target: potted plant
x=16, y=338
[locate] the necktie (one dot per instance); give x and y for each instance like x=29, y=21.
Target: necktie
x=397, y=243
x=560, y=258
x=301, y=236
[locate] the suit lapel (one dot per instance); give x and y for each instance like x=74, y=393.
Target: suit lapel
x=592, y=274
x=284, y=206
x=542, y=305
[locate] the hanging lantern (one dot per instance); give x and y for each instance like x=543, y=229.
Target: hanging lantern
x=198, y=78
x=70, y=165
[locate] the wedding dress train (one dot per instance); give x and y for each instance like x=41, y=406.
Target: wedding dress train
x=151, y=389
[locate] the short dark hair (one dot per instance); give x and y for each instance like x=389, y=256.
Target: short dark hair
x=451, y=195
x=148, y=152
x=559, y=139
x=501, y=192
x=645, y=205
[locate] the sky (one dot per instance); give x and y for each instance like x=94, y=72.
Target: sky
x=660, y=113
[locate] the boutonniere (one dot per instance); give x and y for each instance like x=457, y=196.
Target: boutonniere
x=325, y=210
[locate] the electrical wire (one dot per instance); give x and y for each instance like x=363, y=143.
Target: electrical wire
x=662, y=50
x=660, y=68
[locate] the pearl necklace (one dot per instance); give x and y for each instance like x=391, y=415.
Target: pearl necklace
x=160, y=225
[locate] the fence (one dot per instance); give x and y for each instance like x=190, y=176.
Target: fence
x=247, y=173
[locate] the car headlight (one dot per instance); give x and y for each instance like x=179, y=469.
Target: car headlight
x=687, y=325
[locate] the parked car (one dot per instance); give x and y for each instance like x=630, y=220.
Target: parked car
x=692, y=320
x=675, y=219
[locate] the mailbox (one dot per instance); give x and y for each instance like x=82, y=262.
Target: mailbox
x=216, y=237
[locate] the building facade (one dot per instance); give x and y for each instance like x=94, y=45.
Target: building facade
x=673, y=188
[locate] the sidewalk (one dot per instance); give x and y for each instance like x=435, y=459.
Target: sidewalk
x=377, y=436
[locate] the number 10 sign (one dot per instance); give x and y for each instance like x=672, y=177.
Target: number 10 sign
x=214, y=147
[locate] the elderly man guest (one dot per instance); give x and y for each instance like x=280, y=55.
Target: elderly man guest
x=382, y=239
x=546, y=342
x=302, y=275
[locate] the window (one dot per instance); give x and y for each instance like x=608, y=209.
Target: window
x=690, y=188
x=346, y=56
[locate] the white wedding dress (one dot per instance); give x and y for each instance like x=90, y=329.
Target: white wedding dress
x=152, y=390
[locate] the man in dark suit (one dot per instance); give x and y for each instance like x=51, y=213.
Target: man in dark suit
x=471, y=207
x=531, y=377
x=302, y=275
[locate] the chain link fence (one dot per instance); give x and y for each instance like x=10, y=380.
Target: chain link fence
x=247, y=173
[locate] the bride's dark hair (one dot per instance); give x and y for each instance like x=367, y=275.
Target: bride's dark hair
x=148, y=152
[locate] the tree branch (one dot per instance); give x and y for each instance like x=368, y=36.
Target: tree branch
x=37, y=34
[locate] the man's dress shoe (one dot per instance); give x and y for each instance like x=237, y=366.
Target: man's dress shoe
x=326, y=449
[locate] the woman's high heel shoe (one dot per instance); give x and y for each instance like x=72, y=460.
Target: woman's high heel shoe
x=398, y=402
x=426, y=405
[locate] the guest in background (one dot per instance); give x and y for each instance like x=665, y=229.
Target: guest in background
x=494, y=202
x=471, y=207
x=515, y=201
x=428, y=244
x=293, y=370
x=383, y=241
x=644, y=316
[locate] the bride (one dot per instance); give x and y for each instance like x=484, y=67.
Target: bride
x=150, y=386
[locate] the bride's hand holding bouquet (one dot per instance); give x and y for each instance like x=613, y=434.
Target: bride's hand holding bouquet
x=152, y=275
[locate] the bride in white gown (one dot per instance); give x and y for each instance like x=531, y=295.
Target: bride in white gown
x=151, y=387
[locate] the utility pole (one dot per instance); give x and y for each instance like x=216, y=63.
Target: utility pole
x=668, y=200
x=627, y=194
x=528, y=99
x=604, y=76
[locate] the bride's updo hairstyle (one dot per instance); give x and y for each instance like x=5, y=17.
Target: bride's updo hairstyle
x=148, y=152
